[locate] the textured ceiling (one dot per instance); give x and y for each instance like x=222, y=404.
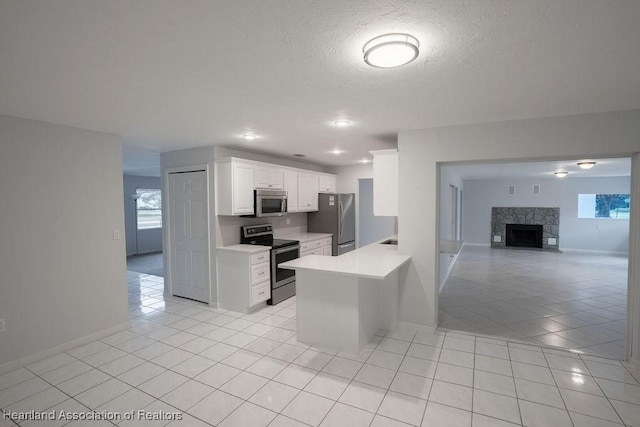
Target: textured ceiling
x=169, y=74
x=613, y=167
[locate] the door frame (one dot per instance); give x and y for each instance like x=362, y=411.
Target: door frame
x=166, y=223
x=632, y=344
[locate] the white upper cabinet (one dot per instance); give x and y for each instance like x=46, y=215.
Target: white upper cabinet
x=234, y=188
x=236, y=180
x=268, y=178
x=385, y=182
x=327, y=184
x=307, y=192
x=291, y=187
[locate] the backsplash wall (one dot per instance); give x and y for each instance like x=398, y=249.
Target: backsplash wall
x=228, y=227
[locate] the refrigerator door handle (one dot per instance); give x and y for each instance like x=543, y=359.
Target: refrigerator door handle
x=340, y=220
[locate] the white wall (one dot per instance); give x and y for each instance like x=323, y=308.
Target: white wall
x=371, y=228
x=448, y=177
x=615, y=134
x=62, y=275
x=147, y=240
x=610, y=235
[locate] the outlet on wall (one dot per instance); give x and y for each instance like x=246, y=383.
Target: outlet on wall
x=3, y=325
x=497, y=239
x=116, y=234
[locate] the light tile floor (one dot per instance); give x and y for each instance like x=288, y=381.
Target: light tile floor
x=568, y=300
x=215, y=367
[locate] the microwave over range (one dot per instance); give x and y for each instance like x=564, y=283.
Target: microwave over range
x=269, y=202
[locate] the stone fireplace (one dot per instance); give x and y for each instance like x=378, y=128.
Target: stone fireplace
x=525, y=227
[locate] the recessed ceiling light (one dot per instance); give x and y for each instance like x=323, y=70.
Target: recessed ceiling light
x=586, y=165
x=561, y=174
x=248, y=136
x=337, y=151
x=364, y=161
x=391, y=50
x=342, y=123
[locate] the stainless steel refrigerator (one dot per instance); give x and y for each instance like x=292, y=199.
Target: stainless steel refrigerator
x=336, y=215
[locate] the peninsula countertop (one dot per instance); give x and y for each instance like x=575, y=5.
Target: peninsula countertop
x=374, y=261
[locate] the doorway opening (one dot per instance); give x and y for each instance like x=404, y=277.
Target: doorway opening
x=570, y=294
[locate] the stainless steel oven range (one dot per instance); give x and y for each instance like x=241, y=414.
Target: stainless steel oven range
x=283, y=281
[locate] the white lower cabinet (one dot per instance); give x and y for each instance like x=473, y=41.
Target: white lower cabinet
x=244, y=279
x=321, y=246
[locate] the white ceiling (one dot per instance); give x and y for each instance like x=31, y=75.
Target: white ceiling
x=168, y=74
x=613, y=167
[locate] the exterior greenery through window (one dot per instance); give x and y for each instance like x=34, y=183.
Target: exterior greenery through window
x=149, y=209
x=610, y=206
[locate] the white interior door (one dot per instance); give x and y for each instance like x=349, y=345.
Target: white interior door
x=189, y=235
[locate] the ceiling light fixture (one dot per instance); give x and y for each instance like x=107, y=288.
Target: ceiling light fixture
x=391, y=50
x=586, y=165
x=561, y=174
x=248, y=136
x=365, y=161
x=342, y=123
x=337, y=151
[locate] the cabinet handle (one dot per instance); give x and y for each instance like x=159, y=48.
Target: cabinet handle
x=261, y=293
x=270, y=185
x=261, y=273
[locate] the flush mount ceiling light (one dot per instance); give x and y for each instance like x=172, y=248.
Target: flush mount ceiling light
x=342, y=123
x=391, y=50
x=561, y=174
x=248, y=136
x=365, y=161
x=586, y=165
x=337, y=151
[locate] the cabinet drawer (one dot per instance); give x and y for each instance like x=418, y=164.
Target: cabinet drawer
x=304, y=246
x=317, y=251
x=326, y=250
x=315, y=244
x=259, y=258
x=327, y=241
x=305, y=253
x=259, y=273
x=260, y=293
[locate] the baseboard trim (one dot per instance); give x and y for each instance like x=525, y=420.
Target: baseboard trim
x=593, y=251
x=475, y=244
x=415, y=326
x=28, y=360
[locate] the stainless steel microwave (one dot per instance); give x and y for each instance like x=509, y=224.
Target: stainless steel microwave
x=270, y=202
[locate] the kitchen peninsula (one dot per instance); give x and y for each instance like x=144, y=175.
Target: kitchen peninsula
x=342, y=301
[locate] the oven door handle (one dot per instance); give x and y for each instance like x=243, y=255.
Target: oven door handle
x=287, y=249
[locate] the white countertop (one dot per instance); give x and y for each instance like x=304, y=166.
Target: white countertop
x=375, y=261
x=251, y=249
x=304, y=237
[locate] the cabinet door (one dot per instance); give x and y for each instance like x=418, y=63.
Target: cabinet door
x=291, y=187
x=307, y=192
x=326, y=250
x=268, y=178
x=327, y=184
x=385, y=183
x=242, y=189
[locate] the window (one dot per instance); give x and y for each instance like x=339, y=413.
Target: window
x=610, y=206
x=149, y=208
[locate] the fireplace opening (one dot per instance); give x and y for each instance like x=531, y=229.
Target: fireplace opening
x=525, y=236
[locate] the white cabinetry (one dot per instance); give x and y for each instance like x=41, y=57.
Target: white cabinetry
x=237, y=178
x=290, y=185
x=268, y=178
x=327, y=184
x=234, y=188
x=307, y=192
x=244, y=279
x=321, y=246
x=385, y=182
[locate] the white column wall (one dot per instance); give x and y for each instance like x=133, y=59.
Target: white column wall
x=614, y=134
